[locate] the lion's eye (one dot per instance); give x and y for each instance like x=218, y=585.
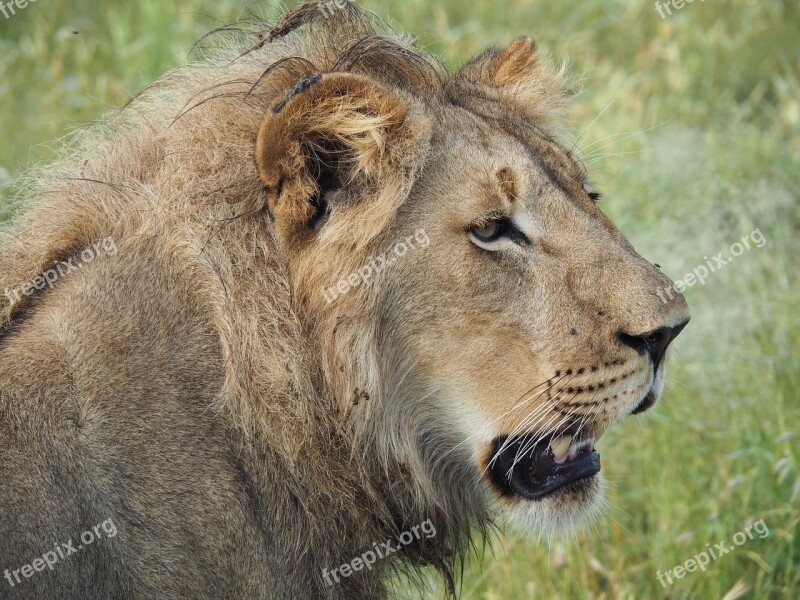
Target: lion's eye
x=488, y=232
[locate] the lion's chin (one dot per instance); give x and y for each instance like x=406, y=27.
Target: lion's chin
x=560, y=512
x=545, y=485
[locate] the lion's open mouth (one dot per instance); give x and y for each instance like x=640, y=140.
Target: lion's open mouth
x=533, y=470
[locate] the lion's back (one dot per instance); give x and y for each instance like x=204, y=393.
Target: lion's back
x=105, y=386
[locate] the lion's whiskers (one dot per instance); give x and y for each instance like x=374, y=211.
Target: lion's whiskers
x=553, y=402
x=620, y=137
x=540, y=410
x=553, y=430
x=523, y=449
x=528, y=421
x=594, y=157
x=538, y=413
x=546, y=429
x=524, y=401
x=509, y=411
x=589, y=128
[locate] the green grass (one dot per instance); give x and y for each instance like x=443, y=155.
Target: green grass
x=709, y=100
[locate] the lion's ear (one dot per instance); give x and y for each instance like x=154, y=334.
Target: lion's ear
x=515, y=77
x=338, y=142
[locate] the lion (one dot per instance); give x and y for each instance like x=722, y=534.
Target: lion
x=175, y=368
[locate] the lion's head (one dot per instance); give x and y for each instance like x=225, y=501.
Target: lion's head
x=421, y=312
x=467, y=294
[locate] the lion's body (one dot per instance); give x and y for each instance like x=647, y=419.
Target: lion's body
x=86, y=444
x=108, y=411
x=170, y=386
x=245, y=433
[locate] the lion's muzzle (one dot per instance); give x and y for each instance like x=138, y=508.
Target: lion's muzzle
x=533, y=466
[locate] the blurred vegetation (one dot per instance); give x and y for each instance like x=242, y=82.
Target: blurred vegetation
x=690, y=127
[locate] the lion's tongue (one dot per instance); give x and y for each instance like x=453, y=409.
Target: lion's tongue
x=545, y=467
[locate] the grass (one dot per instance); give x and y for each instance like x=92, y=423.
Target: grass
x=697, y=146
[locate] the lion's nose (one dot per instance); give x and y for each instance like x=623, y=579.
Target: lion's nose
x=654, y=343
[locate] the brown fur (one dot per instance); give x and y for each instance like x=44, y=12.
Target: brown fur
x=243, y=432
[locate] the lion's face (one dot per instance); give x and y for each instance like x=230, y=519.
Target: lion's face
x=531, y=320
x=534, y=318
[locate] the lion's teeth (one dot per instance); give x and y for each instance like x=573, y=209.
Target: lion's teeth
x=560, y=446
x=565, y=448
